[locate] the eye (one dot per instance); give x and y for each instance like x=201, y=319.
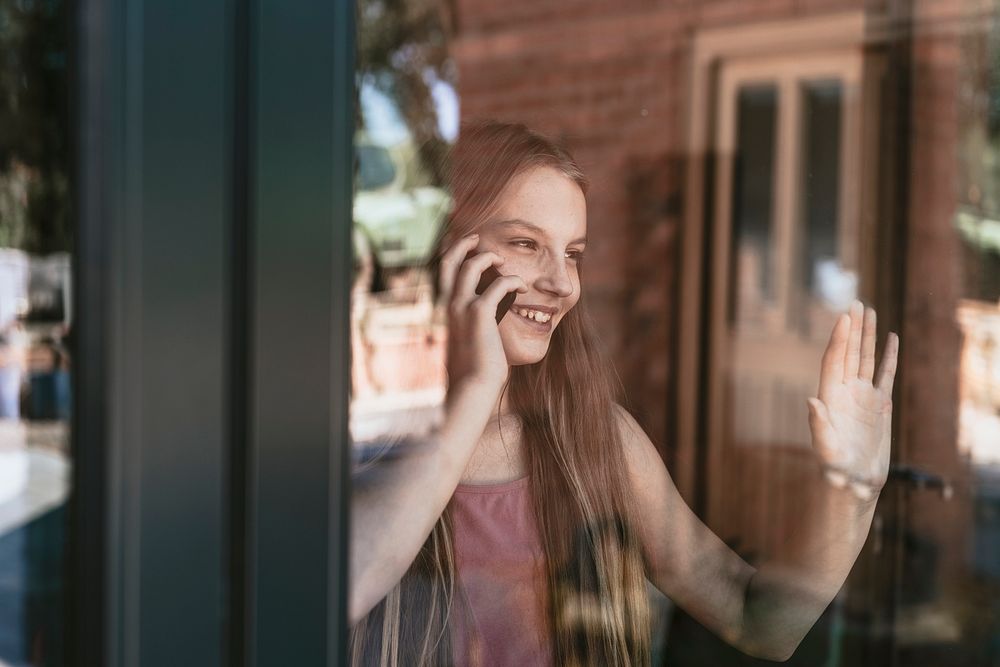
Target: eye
x=575, y=255
x=524, y=243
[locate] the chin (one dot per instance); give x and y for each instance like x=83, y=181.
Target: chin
x=521, y=354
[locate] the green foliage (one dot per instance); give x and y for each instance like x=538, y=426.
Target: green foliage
x=13, y=208
x=402, y=48
x=977, y=216
x=35, y=204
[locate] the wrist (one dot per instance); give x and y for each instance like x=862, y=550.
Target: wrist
x=865, y=490
x=469, y=402
x=477, y=387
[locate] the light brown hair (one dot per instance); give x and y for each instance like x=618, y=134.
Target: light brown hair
x=594, y=573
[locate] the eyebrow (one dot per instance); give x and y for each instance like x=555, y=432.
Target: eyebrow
x=517, y=222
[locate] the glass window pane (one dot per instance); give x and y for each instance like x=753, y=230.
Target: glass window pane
x=753, y=201
x=864, y=165
x=398, y=378
x=968, y=578
x=36, y=318
x=823, y=278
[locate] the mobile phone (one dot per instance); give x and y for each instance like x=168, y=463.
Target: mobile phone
x=489, y=275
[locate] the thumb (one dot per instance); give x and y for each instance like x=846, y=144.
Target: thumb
x=819, y=425
x=819, y=417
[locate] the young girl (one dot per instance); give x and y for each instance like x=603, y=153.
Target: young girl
x=525, y=532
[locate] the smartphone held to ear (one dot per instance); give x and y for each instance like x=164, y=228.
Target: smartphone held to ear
x=489, y=275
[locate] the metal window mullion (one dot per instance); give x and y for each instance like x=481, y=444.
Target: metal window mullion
x=300, y=220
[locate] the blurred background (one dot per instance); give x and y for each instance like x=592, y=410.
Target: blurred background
x=755, y=166
x=36, y=317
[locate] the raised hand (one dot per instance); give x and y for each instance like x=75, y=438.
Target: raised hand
x=475, y=351
x=851, y=420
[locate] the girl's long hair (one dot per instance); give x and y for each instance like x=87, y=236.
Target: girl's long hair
x=594, y=572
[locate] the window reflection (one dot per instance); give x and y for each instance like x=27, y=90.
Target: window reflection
x=818, y=157
x=976, y=221
x=753, y=206
x=35, y=329
x=823, y=278
x=398, y=376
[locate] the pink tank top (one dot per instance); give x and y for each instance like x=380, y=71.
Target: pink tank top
x=500, y=617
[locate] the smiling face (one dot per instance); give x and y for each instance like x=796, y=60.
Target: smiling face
x=540, y=228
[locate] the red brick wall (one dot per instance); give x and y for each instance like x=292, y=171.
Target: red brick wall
x=610, y=78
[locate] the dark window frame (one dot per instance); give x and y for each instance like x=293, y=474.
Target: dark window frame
x=265, y=118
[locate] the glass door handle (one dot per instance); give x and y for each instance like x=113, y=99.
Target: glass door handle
x=917, y=479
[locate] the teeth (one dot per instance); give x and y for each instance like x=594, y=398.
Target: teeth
x=534, y=315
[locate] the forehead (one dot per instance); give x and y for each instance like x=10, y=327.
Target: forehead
x=547, y=199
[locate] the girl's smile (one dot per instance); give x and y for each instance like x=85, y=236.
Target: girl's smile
x=536, y=318
x=539, y=228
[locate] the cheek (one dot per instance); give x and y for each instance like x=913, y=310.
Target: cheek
x=514, y=264
x=518, y=266
x=570, y=304
x=572, y=300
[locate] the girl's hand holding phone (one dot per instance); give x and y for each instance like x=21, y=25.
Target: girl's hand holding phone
x=490, y=275
x=473, y=301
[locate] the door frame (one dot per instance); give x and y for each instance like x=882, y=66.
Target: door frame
x=711, y=48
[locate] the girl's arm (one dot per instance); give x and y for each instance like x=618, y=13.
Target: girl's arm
x=766, y=611
x=397, y=501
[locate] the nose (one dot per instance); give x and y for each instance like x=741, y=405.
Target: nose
x=555, y=279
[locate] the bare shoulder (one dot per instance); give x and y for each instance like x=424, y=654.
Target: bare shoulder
x=641, y=456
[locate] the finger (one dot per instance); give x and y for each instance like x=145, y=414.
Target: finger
x=469, y=276
x=451, y=262
x=852, y=358
x=500, y=288
x=867, y=369
x=887, y=369
x=832, y=367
